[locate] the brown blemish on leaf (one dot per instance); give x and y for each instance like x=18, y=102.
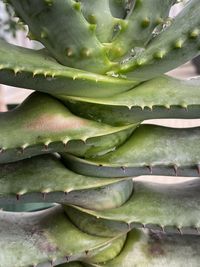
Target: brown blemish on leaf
x=155, y=245
x=156, y=249
x=55, y=123
x=43, y=242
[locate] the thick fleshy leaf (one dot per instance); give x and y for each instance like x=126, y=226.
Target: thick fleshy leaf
x=108, y=252
x=98, y=226
x=98, y=13
x=46, y=179
x=174, y=46
x=43, y=125
x=75, y=43
x=162, y=97
x=151, y=150
x=152, y=249
x=140, y=22
x=36, y=70
x=171, y=208
x=46, y=237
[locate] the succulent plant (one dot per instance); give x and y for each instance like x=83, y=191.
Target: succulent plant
x=77, y=144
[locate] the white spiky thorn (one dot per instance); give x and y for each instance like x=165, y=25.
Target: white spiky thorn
x=46, y=144
x=23, y=147
x=65, y=141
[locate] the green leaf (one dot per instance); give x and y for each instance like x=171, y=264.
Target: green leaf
x=27, y=68
x=99, y=14
x=139, y=24
x=44, y=125
x=162, y=97
x=76, y=45
x=152, y=249
x=151, y=150
x=46, y=179
x=45, y=237
x=173, y=208
x=174, y=46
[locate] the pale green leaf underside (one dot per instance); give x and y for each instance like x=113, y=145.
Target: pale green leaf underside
x=46, y=237
x=150, y=150
x=44, y=125
x=46, y=179
x=146, y=248
x=170, y=208
x=152, y=249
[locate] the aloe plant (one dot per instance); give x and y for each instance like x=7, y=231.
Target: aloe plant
x=74, y=147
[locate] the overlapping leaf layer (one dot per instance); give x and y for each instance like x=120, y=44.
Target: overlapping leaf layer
x=79, y=142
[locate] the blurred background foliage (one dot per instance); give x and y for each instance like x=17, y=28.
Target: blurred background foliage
x=9, y=24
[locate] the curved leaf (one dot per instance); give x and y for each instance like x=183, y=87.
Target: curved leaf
x=46, y=179
x=140, y=22
x=98, y=13
x=47, y=237
x=180, y=41
x=151, y=150
x=172, y=208
x=36, y=70
x=43, y=125
x=162, y=97
x=76, y=45
x=152, y=249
